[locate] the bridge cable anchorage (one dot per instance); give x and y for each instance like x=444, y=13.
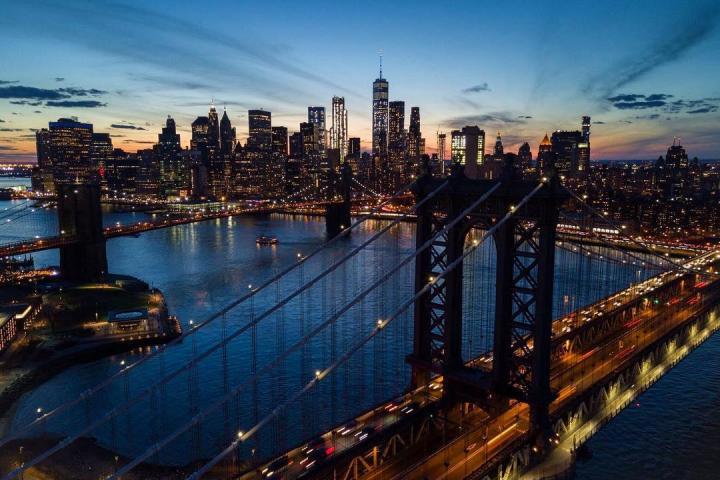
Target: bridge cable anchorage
x=196, y=359
x=197, y=326
x=379, y=328
x=651, y=251
x=320, y=327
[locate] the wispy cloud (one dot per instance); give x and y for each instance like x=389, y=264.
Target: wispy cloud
x=126, y=126
x=492, y=118
x=59, y=79
x=5, y=82
x=76, y=104
x=481, y=87
x=21, y=91
x=672, y=45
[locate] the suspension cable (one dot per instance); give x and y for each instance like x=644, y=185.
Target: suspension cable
x=197, y=418
x=230, y=306
x=197, y=358
x=381, y=325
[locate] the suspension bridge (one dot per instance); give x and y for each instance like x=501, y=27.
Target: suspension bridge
x=473, y=353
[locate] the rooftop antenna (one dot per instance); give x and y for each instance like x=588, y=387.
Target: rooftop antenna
x=380, y=52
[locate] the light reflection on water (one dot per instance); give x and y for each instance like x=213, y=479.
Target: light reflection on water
x=201, y=267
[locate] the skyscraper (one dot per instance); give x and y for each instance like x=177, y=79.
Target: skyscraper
x=565, y=146
x=525, y=159
x=213, y=129
x=227, y=135
x=545, y=155
x=260, y=130
x=280, y=141
x=414, y=136
x=396, y=137
x=174, y=175
x=584, y=147
x=498, y=151
x=338, y=130
x=441, y=137
x=101, y=155
x=467, y=147
x=380, y=116
x=199, y=139
x=316, y=116
x=69, y=142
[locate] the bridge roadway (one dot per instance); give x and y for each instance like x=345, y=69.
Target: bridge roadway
x=480, y=438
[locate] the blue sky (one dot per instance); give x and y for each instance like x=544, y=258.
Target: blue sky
x=644, y=70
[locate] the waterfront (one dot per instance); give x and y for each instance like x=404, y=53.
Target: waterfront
x=201, y=267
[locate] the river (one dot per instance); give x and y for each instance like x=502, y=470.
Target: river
x=671, y=432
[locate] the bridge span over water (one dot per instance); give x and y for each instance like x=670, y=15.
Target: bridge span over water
x=493, y=372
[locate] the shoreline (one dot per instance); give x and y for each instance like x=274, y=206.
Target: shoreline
x=41, y=373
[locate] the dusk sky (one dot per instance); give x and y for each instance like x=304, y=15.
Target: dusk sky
x=644, y=71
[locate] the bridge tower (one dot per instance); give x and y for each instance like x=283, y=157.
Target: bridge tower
x=337, y=210
x=525, y=247
x=80, y=217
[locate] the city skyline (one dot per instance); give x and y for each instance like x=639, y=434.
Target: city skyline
x=522, y=83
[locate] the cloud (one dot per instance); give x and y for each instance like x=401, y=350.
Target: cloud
x=59, y=79
x=663, y=102
x=148, y=142
x=11, y=129
x=127, y=126
x=175, y=46
x=598, y=122
x=652, y=116
x=524, y=116
x=81, y=92
x=7, y=148
x=21, y=91
x=708, y=109
x=5, y=82
x=76, y=104
x=482, y=87
x=493, y=118
x=26, y=102
x=669, y=47
x=2, y=121
x=37, y=111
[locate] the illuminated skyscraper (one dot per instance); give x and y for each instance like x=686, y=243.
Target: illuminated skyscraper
x=380, y=116
x=467, y=147
x=498, y=151
x=280, y=141
x=316, y=116
x=441, y=137
x=213, y=129
x=414, y=136
x=545, y=154
x=338, y=131
x=260, y=130
x=69, y=152
x=396, y=136
x=199, y=139
x=525, y=159
x=584, y=147
x=101, y=155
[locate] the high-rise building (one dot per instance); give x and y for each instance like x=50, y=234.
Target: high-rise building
x=199, y=138
x=227, y=135
x=441, y=138
x=414, y=136
x=467, y=148
x=545, y=155
x=174, y=173
x=338, y=130
x=101, y=155
x=396, y=137
x=316, y=116
x=498, y=151
x=380, y=116
x=280, y=141
x=565, y=146
x=213, y=129
x=354, y=146
x=296, y=145
x=260, y=130
x=584, y=147
x=69, y=142
x=525, y=159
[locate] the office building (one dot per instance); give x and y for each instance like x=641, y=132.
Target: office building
x=467, y=148
x=380, y=117
x=316, y=116
x=260, y=130
x=338, y=130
